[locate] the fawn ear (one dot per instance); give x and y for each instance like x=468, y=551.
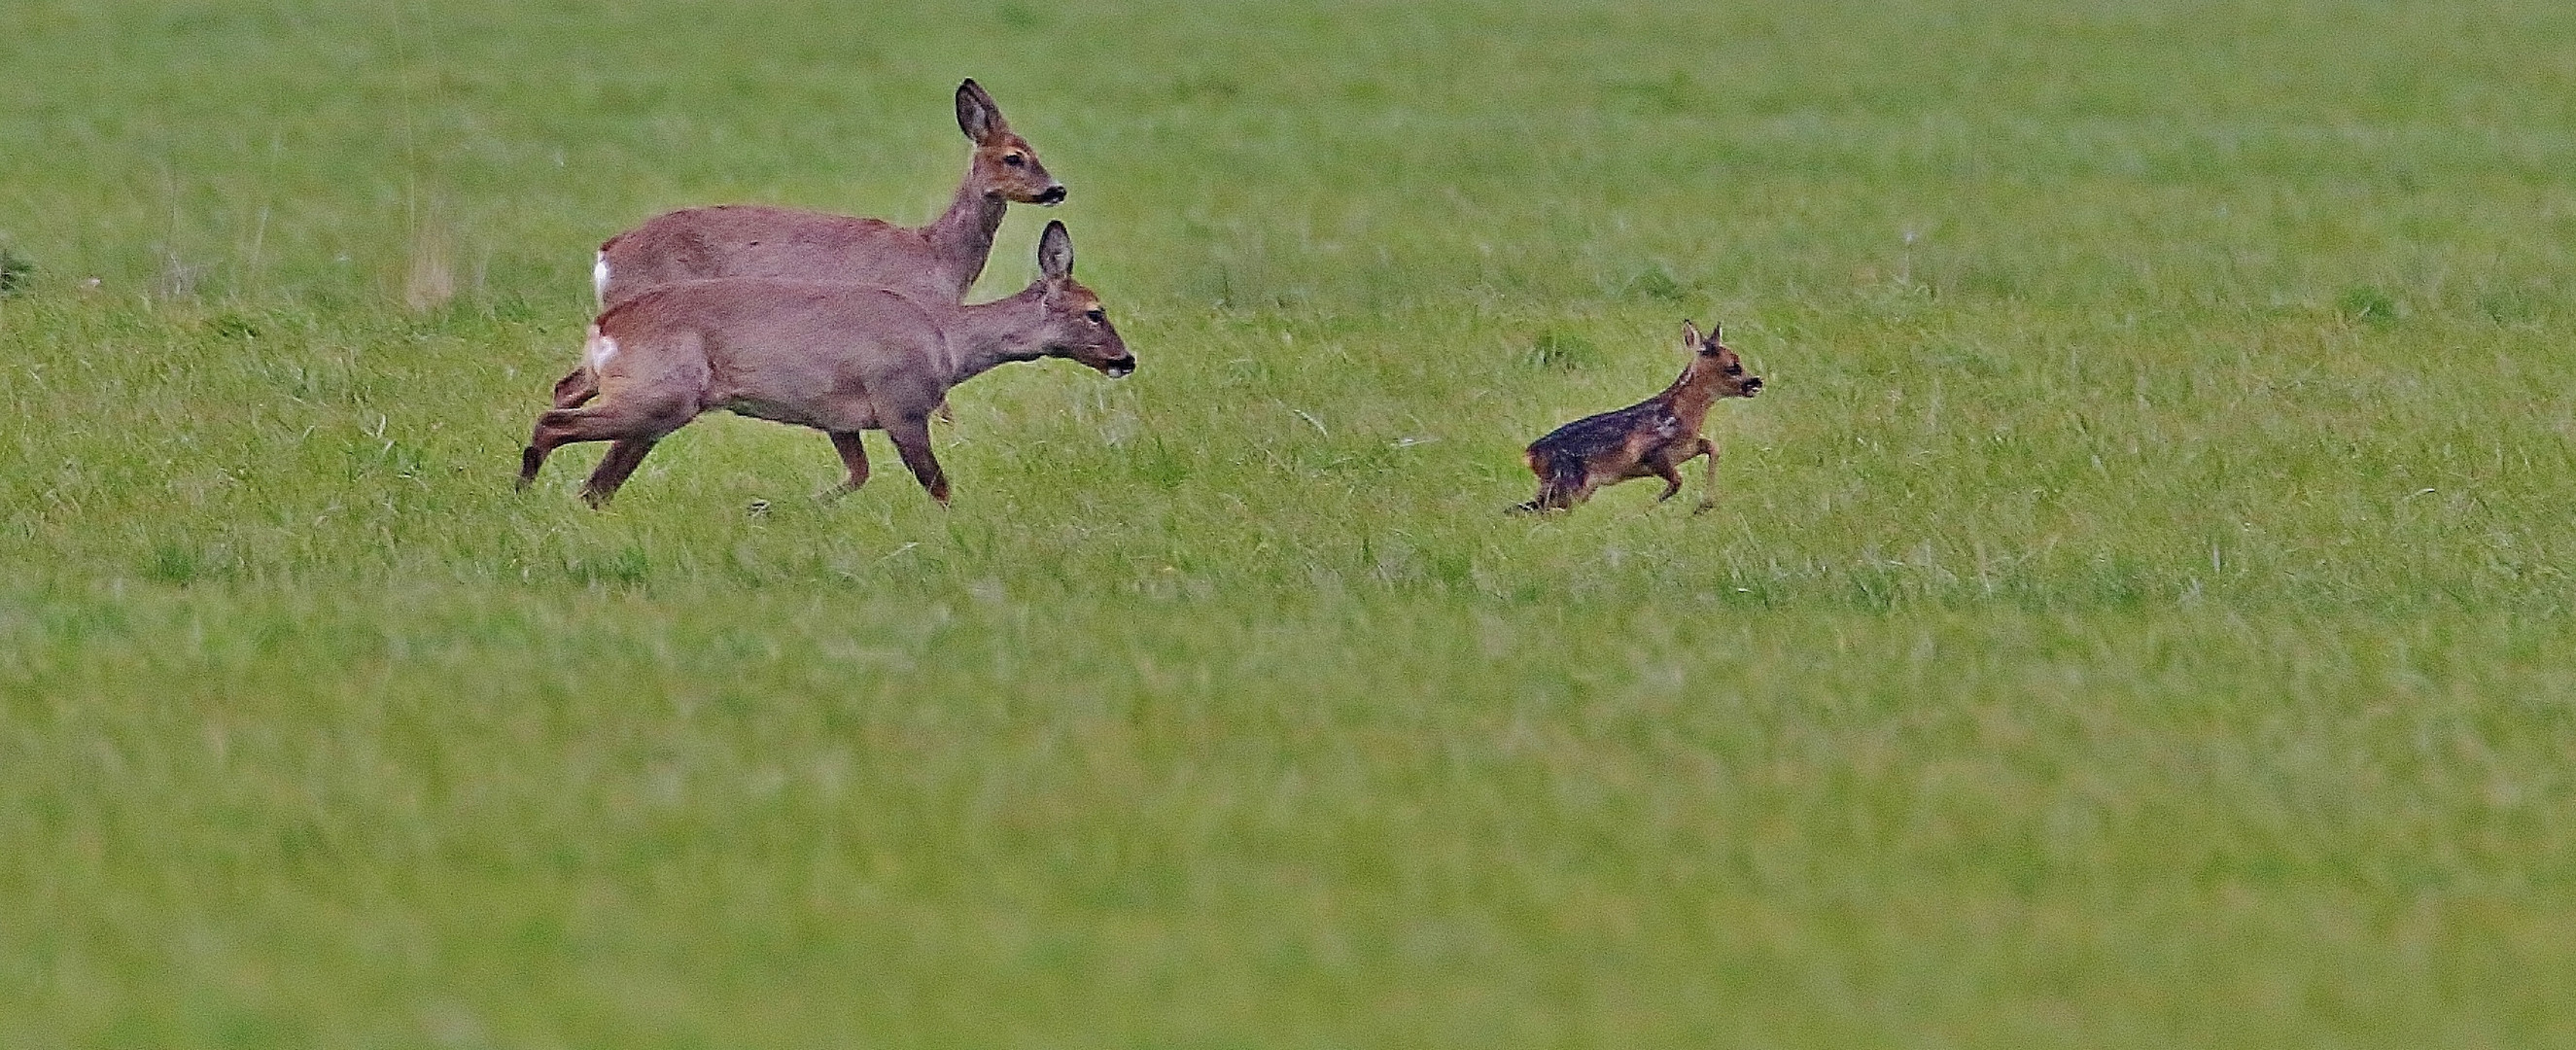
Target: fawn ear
x=1055, y=252
x=977, y=116
x=1690, y=335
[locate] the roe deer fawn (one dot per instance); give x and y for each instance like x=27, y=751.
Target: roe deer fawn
x=1651, y=438
x=829, y=356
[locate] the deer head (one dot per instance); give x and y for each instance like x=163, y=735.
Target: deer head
x=1717, y=364
x=1005, y=166
x=1076, y=328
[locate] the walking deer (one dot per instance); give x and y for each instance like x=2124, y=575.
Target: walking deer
x=1651, y=438
x=836, y=358
x=938, y=261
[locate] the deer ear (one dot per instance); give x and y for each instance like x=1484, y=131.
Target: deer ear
x=1055, y=252
x=977, y=116
x=1690, y=335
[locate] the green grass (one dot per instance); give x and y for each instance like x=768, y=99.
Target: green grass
x=2138, y=612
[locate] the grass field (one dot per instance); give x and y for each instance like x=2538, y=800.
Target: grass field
x=2138, y=613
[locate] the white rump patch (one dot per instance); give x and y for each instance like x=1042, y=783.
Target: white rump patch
x=599, y=277
x=602, y=348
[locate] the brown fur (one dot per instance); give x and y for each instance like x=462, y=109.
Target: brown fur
x=1651, y=438
x=839, y=359
x=938, y=261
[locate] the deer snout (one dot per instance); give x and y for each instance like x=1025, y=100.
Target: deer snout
x=1119, y=367
x=1752, y=385
x=1053, y=195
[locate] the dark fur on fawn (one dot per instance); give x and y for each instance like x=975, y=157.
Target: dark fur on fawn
x=1649, y=439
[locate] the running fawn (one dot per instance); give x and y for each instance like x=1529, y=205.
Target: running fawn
x=1651, y=438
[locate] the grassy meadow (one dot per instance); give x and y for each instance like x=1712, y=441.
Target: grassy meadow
x=2137, y=614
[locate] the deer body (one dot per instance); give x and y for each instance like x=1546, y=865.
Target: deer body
x=841, y=360
x=1651, y=438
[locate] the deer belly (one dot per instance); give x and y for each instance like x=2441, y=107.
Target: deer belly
x=801, y=415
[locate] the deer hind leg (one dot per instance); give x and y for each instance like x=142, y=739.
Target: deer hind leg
x=613, y=421
x=853, y=456
x=1561, y=485
x=623, y=456
x=911, y=436
x=576, y=388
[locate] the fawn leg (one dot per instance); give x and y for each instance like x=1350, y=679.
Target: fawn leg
x=911, y=436
x=1667, y=468
x=854, y=456
x=623, y=456
x=1708, y=490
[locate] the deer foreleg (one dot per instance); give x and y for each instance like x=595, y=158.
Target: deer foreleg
x=1665, y=467
x=1708, y=489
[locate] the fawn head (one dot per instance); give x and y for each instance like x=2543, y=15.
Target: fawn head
x=1717, y=364
x=1005, y=165
x=1076, y=328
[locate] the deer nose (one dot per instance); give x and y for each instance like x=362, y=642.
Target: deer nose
x=1053, y=195
x=1753, y=386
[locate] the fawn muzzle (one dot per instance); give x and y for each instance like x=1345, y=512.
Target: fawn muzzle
x=1052, y=195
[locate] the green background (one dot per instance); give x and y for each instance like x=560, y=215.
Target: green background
x=2137, y=612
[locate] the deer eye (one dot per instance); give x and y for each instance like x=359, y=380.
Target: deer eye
x=1095, y=316
x=1734, y=369
x=1014, y=159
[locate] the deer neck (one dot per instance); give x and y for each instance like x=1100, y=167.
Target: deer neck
x=962, y=236
x=1691, y=395
x=987, y=335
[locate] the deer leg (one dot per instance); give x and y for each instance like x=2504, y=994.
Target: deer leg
x=575, y=388
x=854, y=456
x=623, y=456
x=1664, y=467
x=1708, y=490
x=608, y=422
x=556, y=428
x=1558, y=487
x=911, y=436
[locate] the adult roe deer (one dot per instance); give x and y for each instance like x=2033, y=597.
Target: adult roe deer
x=1651, y=438
x=938, y=261
x=829, y=356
